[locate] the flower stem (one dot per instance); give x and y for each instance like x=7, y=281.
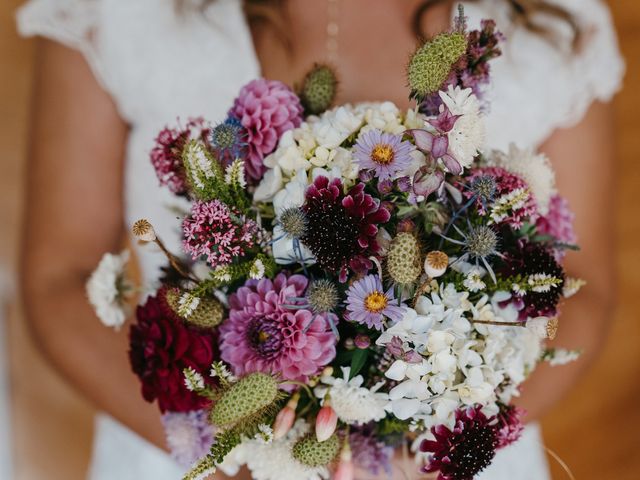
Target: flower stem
x=500, y=324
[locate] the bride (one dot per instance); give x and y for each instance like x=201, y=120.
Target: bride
x=111, y=73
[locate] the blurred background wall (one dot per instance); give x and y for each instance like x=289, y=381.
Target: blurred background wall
x=596, y=433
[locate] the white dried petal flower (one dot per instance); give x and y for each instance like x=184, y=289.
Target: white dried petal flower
x=108, y=289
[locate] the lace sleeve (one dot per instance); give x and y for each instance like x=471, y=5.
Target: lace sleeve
x=73, y=23
x=539, y=86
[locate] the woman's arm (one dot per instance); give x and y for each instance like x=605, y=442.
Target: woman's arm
x=584, y=160
x=74, y=215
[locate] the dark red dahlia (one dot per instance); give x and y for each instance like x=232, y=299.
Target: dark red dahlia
x=465, y=451
x=166, y=155
x=532, y=259
x=161, y=347
x=341, y=229
x=509, y=428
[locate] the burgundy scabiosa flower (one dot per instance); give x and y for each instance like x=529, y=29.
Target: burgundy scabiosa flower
x=217, y=232
x=558, y=223
x=512, y=203
x=161, y=347
x=266, y=109
x=368, y=303
x=510, y=427
x=166, y=155
x=534, y=259
x=464, y=451
x=383, y=153
x=264, y=334
x=342, y=228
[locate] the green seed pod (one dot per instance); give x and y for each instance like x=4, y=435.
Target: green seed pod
x=208, y=314
x=431, y=64
x=312, y=453
x=251, y=396
x=318, y=90
x=404, y=259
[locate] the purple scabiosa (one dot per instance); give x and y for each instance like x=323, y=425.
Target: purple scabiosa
x=266, y=109
x=384, y=153
x=513, y=202
x=189, y=435
x=229, y=139
x=263, y=334
x=464, y=451
x=368, y=303
x=166, y=155
x=510, y=427
x=558, y=223
x=534, y=260
x=369, y=453
x=217, y=233
x=342, y=228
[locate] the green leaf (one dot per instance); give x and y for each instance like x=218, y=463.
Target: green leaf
x=358, y=361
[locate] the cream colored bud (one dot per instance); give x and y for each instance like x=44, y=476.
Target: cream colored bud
x=436, y=264
x=143, y=230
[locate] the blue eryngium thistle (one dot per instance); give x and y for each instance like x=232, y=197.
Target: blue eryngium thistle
x=229, y=138
x=484, y=187
x=480, y=243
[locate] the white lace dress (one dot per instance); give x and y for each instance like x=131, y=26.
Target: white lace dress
x=158, y=66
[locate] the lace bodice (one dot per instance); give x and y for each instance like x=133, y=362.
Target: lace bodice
x=158, y=66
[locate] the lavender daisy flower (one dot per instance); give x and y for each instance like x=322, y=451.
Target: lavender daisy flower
x=368, y=304
x=189, y=435
x=384, y=153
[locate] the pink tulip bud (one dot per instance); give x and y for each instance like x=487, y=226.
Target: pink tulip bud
x=326, y=422
x=285, y=418
x=346, y=469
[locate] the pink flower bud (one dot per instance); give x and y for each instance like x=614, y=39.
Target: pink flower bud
x=285, y=418
x=326, y=422
x=345, y=470
x=362, y=341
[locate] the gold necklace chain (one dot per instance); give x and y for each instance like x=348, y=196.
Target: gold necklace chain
x=333, y=30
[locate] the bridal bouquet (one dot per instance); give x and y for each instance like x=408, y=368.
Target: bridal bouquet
x=355, y=277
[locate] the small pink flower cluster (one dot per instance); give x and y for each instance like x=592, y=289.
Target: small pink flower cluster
x=214, y=232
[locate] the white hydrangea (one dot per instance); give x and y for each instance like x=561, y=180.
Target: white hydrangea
x=467, y=137
x=353, y=403
x=108, y=289
x=533, y=168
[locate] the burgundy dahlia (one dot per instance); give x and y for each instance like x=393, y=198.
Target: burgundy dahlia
x=268, y=330
x=166, y=155
x=532, y=259
x=465, y=451
x=161, y=347
x=266, y=109
x=342, y=228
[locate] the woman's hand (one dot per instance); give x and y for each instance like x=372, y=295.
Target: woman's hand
x=73, y=215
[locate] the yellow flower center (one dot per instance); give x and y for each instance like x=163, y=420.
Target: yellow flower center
x=375, y=302
x=263, y=336
x=382, y=154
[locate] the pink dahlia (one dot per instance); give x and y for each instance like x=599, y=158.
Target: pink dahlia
x=558, y=223
x=263, y=335
x=510, y=427
x=166, y=155
x=505, y=183
x=217, y=232
x=461, y=453
x=342, y=228
x=266, y=109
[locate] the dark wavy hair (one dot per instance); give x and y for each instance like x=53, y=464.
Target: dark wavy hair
x=528, y=13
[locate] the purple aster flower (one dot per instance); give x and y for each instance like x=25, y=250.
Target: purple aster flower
x=384, y=153
x=368, y=304
x=264, y=334
x=189, y=435
x=369, y=453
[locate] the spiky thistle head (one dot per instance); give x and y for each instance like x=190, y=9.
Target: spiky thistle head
x=228, y=137
x=318, y=90
x=322, y=296
x=404, y=259
x=309, y=451
x=293, y=222
x=484, y=187
x=247, y=401
x=430, y=65
x=481, y=241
